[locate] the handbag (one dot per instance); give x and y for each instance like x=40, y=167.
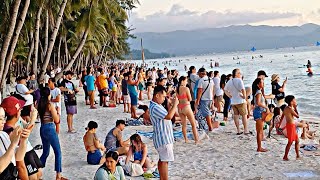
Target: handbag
x=11, y=172
x=267, y=116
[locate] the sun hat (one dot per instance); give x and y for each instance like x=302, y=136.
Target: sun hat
x=12, y=105
x=274, y=77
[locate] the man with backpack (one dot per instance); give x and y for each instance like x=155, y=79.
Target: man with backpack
x=204, y=97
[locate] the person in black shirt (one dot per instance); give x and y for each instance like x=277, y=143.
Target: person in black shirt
x=278, y=90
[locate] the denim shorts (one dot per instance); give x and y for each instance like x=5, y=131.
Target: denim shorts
x=204, y=107
x=134, y=99
x=257, y=113
x=94, y=158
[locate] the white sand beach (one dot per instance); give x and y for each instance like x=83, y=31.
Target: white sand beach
x=224, y=156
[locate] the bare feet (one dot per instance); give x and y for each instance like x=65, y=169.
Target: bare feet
x=262, y=150
x=285, y=158
x=298, y=158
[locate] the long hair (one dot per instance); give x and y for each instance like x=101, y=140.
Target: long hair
x=223, y=80
x=137, y=139
x=182, y=78
x=255, y=86
x=44, y=101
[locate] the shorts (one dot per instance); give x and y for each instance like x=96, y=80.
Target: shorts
x=204, y=108
x=140, y=87
x=32, y=162
x=26, y=110
x=103, y=92
x=94, y=158
x=114, y=89
x=166, y=153
x=291, y=132
x=240, y=109
x=71, y=109
x=134, y=99
x=126, y=99
x=257, y=113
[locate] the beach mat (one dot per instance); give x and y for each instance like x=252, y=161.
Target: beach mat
x=301, y=174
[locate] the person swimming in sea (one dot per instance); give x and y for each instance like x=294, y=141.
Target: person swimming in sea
x=309, y=63
x=309, y=70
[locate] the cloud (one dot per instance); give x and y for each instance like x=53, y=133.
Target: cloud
x=179, y=18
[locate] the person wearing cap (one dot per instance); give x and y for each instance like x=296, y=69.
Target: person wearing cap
x=21, y=89
x=12, y=107
x=205, y=95
x=278, y=90
x=235, y=90
x=69, y=90
x=114, y=139
x=92, y=144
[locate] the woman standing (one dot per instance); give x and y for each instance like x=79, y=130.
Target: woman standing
x=84, y=86
x=278, y=90
x=184, y=108
x=259, y=107
x=227, y=101
x=48, y=116
x=133, y=94
x=141, y=78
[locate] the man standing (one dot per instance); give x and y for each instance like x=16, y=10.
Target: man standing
x=89, y=78
x=162, y=129
x=237, y=93
x=205, y=94
x=70, y=100
x=22, y=90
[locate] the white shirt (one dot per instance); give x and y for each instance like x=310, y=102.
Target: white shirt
x=206, y=92
x=46, y=78
x=6, y=140
x=234, y=86
x=22, y=89
x=54, y=93
x=217, y=89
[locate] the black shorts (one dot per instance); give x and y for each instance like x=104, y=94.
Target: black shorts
x=26, y=110
x=32, y=162
x=103, y=93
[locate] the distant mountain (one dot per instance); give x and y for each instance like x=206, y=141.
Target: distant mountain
x=226, y=39
x=136, y=55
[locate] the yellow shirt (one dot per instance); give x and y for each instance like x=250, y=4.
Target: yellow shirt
x=102, y=81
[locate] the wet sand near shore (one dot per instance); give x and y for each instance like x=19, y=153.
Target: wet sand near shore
x=224, y=156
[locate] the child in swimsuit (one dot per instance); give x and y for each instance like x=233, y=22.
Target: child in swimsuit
x=289, y=113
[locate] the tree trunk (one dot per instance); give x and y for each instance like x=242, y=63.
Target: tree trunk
x=75, y=55
x=59, y=50
x=30, y=51
x=53, y=38
x=66, y=52
x=36, y=42
x=46, y=35
x=6, y=42
x=15, y=40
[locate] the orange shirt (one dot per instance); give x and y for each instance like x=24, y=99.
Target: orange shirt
x=102, y=79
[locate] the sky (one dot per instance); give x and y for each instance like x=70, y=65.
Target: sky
x=172, y=15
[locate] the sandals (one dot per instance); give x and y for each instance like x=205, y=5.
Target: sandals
x=239, y=133
x=249, y=133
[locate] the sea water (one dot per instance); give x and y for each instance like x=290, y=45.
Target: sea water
x=288, y=62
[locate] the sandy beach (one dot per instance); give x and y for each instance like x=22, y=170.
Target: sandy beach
x=224, y=155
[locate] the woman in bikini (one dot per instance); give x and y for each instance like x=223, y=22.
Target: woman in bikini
x=92, y=144
x=184, y=108
x=139, y=151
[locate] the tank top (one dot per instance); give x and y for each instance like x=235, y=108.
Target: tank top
x=111, y=140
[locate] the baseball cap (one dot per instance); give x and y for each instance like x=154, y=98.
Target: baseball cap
x=12, y=105
x=261, y=72
x=20, y=78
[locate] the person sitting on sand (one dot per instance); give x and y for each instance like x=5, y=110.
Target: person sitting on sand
x=114, y=140
x=259, y=107
x=275, y=122
x=92, y=144
x=184, y=108
x=109, y=170
x=145, y=115
x=289, y=113
x=139, y=151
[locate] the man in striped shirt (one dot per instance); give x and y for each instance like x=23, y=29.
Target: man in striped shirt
x=162, y=129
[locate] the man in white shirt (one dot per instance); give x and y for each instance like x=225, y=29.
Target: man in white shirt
x=205, y=94
x=218, y=98
x=22, y=90
x=237, y=93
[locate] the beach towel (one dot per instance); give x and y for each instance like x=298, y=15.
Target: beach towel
x=310, y=150
x=133, y=122
x=176, y=134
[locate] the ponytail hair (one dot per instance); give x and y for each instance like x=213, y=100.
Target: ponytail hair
x=182, y=78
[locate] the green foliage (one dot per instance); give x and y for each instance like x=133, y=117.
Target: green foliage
x=136, y=55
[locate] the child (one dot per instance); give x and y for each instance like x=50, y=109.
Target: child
x=55, y=100
x=289, y=113
x=126, y=97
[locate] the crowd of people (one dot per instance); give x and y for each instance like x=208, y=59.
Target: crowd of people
x=174, y=99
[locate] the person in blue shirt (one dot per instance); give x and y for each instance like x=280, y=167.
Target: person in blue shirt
x=90, y=79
